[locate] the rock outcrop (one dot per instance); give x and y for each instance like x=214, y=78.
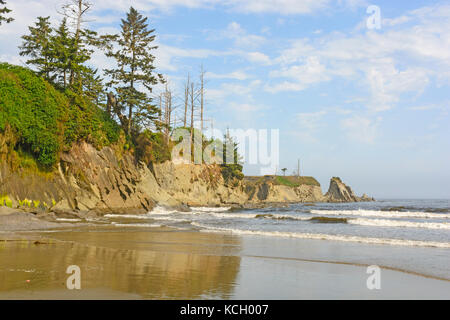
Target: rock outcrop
x=340, y=192
x=95, y=182
x=198, y=185
x=87, y=180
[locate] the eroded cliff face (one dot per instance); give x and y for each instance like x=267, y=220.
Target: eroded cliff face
x=198, y=185
x=104, y=181
x=86, y=180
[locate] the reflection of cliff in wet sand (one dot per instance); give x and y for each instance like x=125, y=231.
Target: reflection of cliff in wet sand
x=159, y=267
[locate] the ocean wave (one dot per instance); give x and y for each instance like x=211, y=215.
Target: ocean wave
x=210, y=209
x=146, y=217
x=405, y=208
x=319, y=236
x=140, y=225
x=160, y=210
x=129, y=216
x=396, y=223
x=386, y=214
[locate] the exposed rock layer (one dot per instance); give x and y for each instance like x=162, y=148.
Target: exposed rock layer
x=100, y=181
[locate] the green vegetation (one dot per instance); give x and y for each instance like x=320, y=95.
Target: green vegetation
x=3, y=11
x=63, y=100
x=231, y=171
x=45, y=120
x=290, y=181
x=294, y=181
x=134, y=69
x=5, y=201
x=152, y=147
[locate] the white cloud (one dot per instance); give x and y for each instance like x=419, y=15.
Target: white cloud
x=246, y=107
x=287, y=7
x=241, y=38
x=227, y=90
x=258, y=57
x=387, y=64
x=236, y=75
x=307, y=125
x=361, y=129
x=312, y=71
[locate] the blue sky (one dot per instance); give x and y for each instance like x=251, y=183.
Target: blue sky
x=370, y=106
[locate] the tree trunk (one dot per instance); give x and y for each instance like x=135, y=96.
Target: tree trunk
x=202, y=95
x=192, y=111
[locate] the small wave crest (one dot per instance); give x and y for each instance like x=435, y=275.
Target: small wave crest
x=396, y=223
x=387, y=214
x=319, y=236
x=160, y=210
x=139, y=225
x=210, y=209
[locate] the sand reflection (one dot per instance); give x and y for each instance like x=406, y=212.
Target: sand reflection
x=155, y=265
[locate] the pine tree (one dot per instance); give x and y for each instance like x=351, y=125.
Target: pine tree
x=93, y=86
x=37, y=45
x=133, y=78
x=83, y=42
x=4, y=10
x=64, y=53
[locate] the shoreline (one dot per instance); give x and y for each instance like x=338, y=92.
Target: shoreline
x=121, y=261
x=217, y=266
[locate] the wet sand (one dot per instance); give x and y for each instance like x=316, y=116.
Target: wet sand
x=163, y=263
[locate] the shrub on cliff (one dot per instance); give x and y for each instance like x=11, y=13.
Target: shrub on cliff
x=47, y=121
x=152, y=147
x=34, y=110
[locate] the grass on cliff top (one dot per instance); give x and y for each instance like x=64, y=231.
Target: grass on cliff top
x=290, y=181
x=293, y=181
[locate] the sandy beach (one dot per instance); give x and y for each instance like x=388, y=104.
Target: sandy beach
x=163, y=263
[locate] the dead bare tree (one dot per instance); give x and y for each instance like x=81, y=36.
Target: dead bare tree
x=202, y=96
x=186, y=99
x=75, y=11
x=192, y=96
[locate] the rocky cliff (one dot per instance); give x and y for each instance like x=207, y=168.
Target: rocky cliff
x=100, y=181
x=340, y=192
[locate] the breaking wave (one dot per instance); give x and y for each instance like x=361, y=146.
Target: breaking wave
x=318, y=236
x=396, y=223
x=386, y=214
x=211, y=209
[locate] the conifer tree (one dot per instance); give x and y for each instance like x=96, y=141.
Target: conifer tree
x=83, y=42
x=93, y=86
x=3, y=11
x=134, y=76
x=64, y=53
x=37, y=45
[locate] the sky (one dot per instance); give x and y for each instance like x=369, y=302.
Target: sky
x=370, y=105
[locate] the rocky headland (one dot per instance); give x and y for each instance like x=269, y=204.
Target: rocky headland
x=94, y=182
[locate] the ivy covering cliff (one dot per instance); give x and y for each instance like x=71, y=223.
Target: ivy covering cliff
x=46, y=121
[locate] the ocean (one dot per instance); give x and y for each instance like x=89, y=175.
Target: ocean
x=408, y=235
x=420, y=223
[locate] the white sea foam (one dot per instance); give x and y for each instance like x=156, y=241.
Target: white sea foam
x=396, y=223
x=318, y=236
x=251, y=216
x=148, y=216
x=386, y=214
x=129, y=216
x=140, y=225
x=224, y=215
x=210, y=209
x=68, y=220
x=162, y=210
